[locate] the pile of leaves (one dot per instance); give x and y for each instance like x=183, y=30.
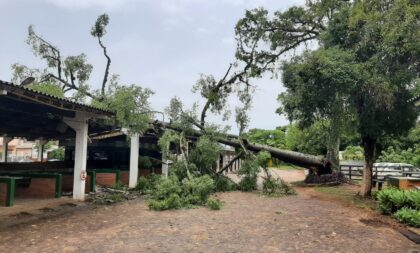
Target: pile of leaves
x=403, y=204
x=333, y=178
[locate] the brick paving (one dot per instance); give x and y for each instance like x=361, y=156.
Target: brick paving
x=248, y=222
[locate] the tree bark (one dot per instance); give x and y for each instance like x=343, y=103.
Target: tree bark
x=369, y=145
x=333, y=145
x=108, y=64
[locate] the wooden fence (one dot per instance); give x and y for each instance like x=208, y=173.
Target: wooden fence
x=355, y=172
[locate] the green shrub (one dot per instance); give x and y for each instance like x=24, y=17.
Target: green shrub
x=413, y=199
x=410, y=155
x=248, y=183
x=56, y=154
x=197, y=190
x=398, y=199
x=392, y=199
x=172, y=202
x=142, y=184
x=166, y=194
x=408, y=216
x=178, y=169
x=169, y=193
x=214, y=204
x=223, y=184
x=277, y=187
x=270, y=186
x=383, y=197
x=148, y=184
x=353, y=153
x=165, y=187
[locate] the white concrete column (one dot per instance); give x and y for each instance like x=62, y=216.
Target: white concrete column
x=6, y=141
x=134, y=160
x=80, y=125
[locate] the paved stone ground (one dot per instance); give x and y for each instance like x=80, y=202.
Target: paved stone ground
x=248, y=222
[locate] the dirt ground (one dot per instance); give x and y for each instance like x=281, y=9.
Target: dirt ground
x=248, y=222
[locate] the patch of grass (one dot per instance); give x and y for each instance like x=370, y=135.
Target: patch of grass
x=344, y=194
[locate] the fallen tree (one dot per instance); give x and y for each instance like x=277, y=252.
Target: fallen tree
x=316, y=164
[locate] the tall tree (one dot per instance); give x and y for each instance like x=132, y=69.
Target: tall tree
x=369, y=57
x=71, y=73
x=271, y=39
x=69, y=76
x=98, y=31
x=318, y=86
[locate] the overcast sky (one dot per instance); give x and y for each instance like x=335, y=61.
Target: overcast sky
x=160, y=44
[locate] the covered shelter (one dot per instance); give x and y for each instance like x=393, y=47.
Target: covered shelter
x=35, y=115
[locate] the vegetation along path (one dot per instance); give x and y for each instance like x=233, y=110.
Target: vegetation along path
x=248, y=222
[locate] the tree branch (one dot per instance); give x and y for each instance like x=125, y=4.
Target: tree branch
x=238, y=156
x=70, y=86
x=108, y=63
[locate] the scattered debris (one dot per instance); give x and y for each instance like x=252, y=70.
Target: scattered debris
x=108, y=195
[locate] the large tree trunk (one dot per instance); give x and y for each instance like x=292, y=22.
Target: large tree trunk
x=333, y=146
x=369, y=145
x=321, y=165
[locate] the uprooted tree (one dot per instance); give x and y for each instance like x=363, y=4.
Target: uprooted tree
x=190, y=124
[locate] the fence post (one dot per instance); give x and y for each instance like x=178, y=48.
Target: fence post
x=350, y=172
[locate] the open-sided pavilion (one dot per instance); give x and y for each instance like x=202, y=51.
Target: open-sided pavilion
x=38, y=116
